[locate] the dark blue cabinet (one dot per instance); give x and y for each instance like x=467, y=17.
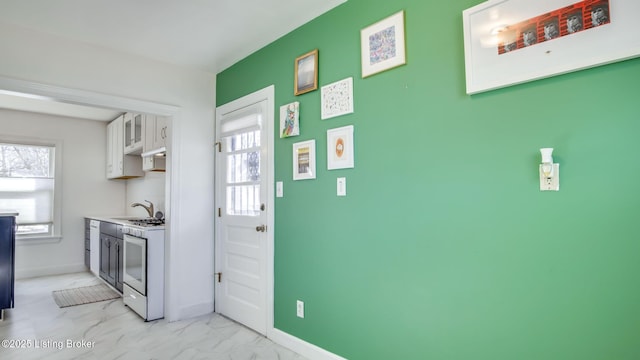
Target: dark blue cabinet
x=7, y=260
x=111, y=254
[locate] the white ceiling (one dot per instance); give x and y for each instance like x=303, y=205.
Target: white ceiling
x=209, y=35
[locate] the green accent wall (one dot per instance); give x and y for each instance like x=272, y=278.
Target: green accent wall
x=444, y=247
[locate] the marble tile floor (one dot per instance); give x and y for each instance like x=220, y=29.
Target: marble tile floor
x=38, y=329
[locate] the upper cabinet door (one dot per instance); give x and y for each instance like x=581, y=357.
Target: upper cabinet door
x=119, y=165
x=115, y=148
x=160, y=138
x=133, y=123
x=155, y=132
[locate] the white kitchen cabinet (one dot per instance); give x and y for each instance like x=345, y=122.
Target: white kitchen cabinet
x=155, y=132
x=119, y=165
x=133, y=137
x=114, y=147
x=155, y=135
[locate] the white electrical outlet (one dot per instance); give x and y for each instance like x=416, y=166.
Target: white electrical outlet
x=550, y=183
x=300, y=309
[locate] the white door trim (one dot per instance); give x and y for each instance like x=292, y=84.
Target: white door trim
x=267, y=94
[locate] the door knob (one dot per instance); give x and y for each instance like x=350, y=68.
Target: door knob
x=261, y=228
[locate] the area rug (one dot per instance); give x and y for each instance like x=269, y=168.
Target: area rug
x=84, y=295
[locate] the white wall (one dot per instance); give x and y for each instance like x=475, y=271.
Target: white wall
x=45, y=59
x=150, y=187
x=85, y=189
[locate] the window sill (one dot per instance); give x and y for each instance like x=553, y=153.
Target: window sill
x=37, y=240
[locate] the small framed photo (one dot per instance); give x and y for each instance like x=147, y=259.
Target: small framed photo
x=382, y=45
x=340, y=148
x=304, y=160
x=336, y=99
x=306, y=73
x=290, y=120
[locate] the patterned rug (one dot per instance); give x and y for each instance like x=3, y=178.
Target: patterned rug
x=84, y=295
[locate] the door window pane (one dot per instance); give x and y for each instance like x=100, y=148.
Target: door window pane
x=243, y=167
x=243, y=200
x=243, y=173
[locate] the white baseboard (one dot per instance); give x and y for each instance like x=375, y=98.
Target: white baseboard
x=308, y=350
x=194, y=311
x=52, y=270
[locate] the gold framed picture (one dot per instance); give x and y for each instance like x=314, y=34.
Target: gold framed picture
x=306, y=73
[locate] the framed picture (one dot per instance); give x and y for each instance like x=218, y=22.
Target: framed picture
x=336, y=99
x=290, y=120
x=340, y=148
x=382, y=45
x=306, y=72
x=508, y=42
x=304, y=160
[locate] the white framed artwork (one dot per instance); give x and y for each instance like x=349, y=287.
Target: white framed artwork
x=304, y=160
x=382, y=45
x=336, y=99
x=508, y=42
x=340, y=148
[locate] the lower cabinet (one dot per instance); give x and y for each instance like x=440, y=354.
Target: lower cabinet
x=111, y=254
x=7, y=261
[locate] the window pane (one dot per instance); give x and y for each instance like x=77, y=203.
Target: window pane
x=26, y=161
x=244, y=141
x=27, y=185
x=31, y=197
x=243, y=167
x=243, y=200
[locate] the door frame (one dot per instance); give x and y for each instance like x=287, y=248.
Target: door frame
x=267, y=94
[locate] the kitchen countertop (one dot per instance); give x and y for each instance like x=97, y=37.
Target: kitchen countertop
x=124, y=220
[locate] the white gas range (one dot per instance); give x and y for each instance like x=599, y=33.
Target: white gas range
x=143, y=278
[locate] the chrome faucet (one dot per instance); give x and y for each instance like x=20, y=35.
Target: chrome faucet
x=148, y=208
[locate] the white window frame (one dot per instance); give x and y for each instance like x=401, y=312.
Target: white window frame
x=56, y=232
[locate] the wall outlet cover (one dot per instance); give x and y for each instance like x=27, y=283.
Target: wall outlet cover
x=552, y=183
x=300, y=309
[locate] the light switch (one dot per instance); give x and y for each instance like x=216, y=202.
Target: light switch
x=342, y=186
x=279, y=189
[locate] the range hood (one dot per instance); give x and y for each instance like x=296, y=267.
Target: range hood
x=155, y=152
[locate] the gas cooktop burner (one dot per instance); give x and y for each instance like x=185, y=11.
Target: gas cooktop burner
x=147, y=222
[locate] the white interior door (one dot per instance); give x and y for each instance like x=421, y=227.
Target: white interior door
x=244, y=269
